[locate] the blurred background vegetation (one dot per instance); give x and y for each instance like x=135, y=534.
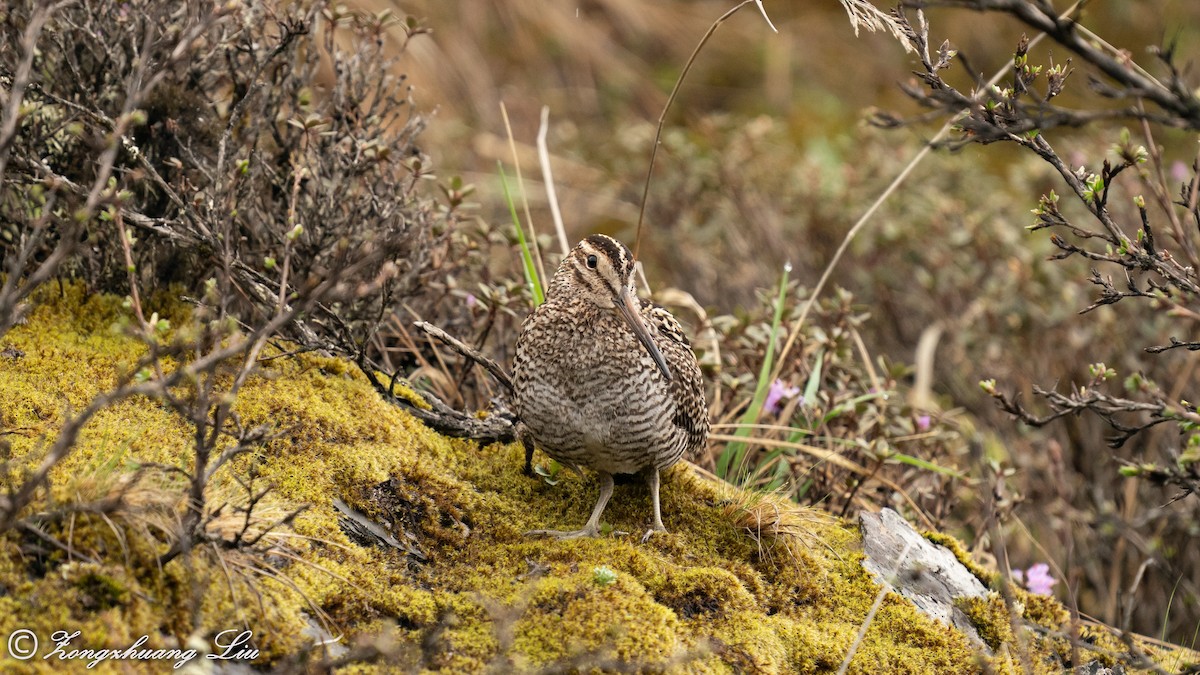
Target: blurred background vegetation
x=767, y=158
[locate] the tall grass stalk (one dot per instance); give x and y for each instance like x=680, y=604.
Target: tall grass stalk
x=532, y=276
x=548, y=179
x=637, y=239
x=861, y=13
x=516, y=157
x=1166, y=620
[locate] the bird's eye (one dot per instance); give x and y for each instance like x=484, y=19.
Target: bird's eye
x=591, y=261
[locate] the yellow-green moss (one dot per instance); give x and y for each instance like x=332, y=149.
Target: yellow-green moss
x=990, y=578
x=1042, y=610
x=990, y=616
x=709, y=597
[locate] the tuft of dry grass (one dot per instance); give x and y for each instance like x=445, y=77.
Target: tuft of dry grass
x=773, y=520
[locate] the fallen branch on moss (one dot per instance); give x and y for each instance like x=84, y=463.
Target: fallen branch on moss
x=496, y=426
x=467, y=352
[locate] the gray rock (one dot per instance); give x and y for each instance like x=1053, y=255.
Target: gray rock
x=929, y=576
x=1097, y=668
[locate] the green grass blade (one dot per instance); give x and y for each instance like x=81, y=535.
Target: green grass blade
x=798, y=435
x=814, y=379
x=532, y=276
x=733, y=458
x=803, y=489
x=850, y=405
x=1166, y=622
x=924, y=464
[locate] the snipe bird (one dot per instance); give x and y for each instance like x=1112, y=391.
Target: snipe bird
x=605, y=380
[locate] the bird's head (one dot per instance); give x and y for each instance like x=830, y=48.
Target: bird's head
x=600, y=270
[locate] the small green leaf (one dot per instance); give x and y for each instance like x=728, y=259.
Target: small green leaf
x=603, y=576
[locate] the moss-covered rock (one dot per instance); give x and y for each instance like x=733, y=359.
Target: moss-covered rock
x=742, y=583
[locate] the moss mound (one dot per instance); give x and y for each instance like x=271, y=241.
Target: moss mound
x=460, y=589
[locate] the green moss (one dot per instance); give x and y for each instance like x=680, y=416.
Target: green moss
x=402, y=390
x=990, y=578
x=573, y=615
x=990, y=617
x=100, y=589
x=466, y=591
x=1043, y=610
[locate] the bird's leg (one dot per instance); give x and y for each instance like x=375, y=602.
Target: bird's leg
x=592, y=528
x=606, y=490
x=652, y=479
x=527, y=441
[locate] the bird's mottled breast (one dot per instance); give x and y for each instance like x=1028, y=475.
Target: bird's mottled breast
x=591, y=395
x=583, y=353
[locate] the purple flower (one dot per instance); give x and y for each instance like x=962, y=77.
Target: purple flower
x=1179, y=171
x=471, y=300
x=923, y=423
x=1037, y=578
x=776, y=394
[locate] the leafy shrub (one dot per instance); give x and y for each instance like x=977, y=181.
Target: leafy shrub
x=259, y=161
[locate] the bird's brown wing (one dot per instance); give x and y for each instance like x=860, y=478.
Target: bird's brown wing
x=687, y=384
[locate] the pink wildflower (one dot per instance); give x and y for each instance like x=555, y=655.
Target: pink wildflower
x=776, y=394
x=1179, y=171
x=1036, y=579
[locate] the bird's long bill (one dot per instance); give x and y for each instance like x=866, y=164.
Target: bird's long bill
x=629, y=311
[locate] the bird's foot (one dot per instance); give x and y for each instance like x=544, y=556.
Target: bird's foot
x=653, y=531
x=565, y=534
